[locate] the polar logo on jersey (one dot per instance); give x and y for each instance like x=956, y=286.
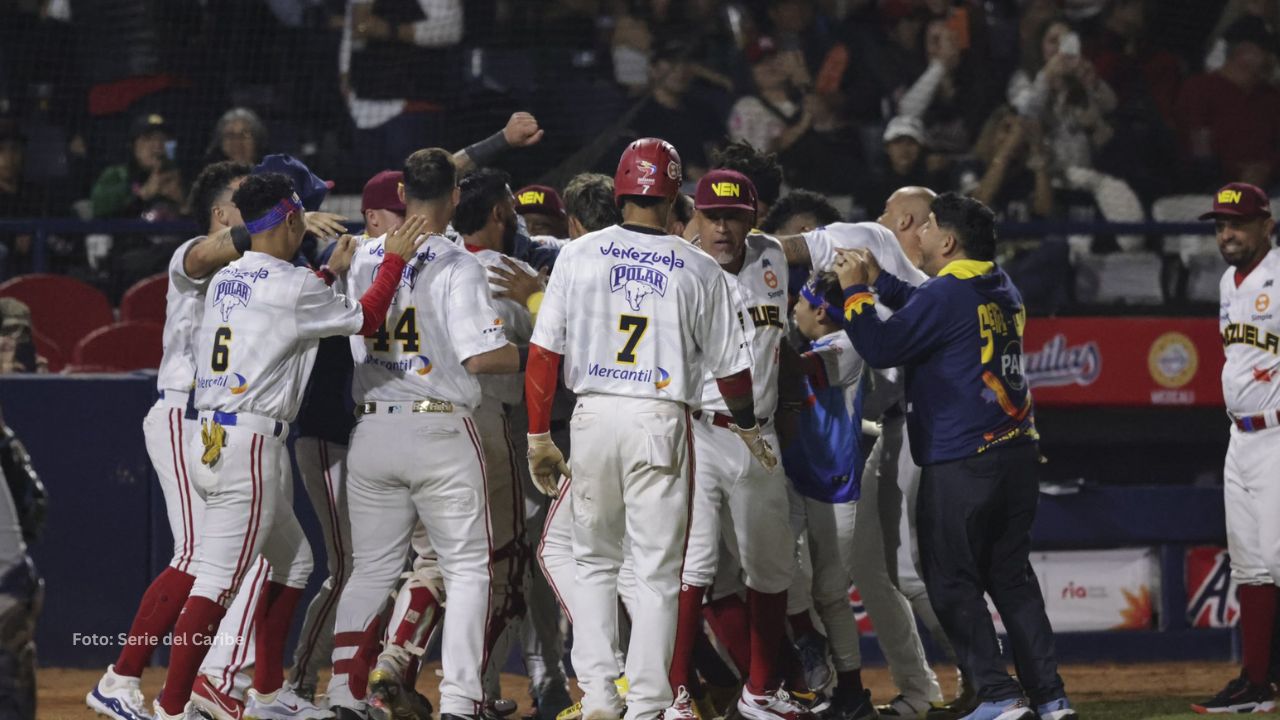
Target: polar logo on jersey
x=241, y=385
x=230, y=294
x=408, y=276
x=636, y=283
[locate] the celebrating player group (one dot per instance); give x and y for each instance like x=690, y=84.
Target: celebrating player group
x=624, y=411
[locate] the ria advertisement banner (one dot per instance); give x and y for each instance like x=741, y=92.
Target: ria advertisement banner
x=1085, y=590
x=1124, y=361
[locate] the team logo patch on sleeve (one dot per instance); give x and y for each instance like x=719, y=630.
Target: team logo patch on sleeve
x=856, y=303
x=636, y=282
x=230, y=294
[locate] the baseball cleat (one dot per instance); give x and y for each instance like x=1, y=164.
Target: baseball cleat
x=812, y=648
x=1240, y=696
x=778, y=705
x=552, y=700
x=814, y=702
x=283, y=704
x=1057, y=709
x=349, y=713
x=189, y=712
x=1011, y=709
x=391, y=699
x=118, y=697
x=850, y=706
x=215, y=703
x=905, y=707
x=682, y=708
x=498, y=708
x=574, y=711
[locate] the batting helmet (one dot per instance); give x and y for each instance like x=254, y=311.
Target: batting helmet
x=648, y=167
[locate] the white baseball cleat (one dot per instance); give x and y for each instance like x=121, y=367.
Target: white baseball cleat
x=118, y=696
x=283, y=704
x=778, y=705
x=189, y=712
x=213, y=702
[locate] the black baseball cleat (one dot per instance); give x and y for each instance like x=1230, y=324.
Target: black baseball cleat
x=849, y=706
x=1240, y=696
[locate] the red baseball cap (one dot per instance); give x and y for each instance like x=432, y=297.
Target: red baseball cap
x=1239, y=200
x=382, y=192
x=762, y=48
x=540, y=200
x=727, y=189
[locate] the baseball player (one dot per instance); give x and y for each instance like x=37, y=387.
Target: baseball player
x=1251, y=388
x=254, y=349
x=869, y=529
x=543, y=211
x=415, y=452
x=734, y=495
x=641, y=318
x=166, y=429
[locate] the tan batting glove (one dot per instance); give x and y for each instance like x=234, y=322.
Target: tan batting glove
x=545, y=460
x=756, y=443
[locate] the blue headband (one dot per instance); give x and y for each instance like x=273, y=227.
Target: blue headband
x=814, y=300
x=275, y=215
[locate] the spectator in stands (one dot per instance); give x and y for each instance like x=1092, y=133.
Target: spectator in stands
x=876, y=61
x=904, y=148
x=149, y=185
x=1130, y=64
x=674, y=114
x=20, y=198
x=954, y=95
x=240, y=136
x=1062, y=90
x=821, y=158
x=793, y=27
x=1009, y=171
x=773, y=116
x=1228, y=120
x=17, y=342
x=398, y=62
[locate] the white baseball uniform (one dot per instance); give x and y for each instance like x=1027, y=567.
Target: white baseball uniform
x=868, y=530
x=1250, y=325
x=735, y=494
x=416, y=454
x=640, y=317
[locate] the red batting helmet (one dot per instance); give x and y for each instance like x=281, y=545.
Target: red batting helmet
x=648, y=167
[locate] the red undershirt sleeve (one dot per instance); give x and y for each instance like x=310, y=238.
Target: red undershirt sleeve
x=540, y=387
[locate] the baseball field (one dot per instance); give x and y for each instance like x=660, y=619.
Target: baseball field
x=1149, y=691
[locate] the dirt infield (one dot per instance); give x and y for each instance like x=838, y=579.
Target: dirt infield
x=62, y=691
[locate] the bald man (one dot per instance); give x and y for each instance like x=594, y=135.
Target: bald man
x=878, y=548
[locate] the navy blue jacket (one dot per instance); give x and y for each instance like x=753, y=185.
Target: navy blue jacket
x=959, y=338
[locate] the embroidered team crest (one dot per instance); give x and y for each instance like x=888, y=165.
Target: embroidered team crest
x=636, y=282
x=230, y=294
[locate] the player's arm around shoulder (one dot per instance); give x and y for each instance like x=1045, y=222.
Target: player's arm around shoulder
x=474, y=325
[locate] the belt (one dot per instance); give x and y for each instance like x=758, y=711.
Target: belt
x=722, y=420
x=260, y=424
x=414, y=406
x=1254, y=423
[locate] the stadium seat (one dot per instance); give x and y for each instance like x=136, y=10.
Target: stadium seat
x=121, y=346
x=50, y=351
x=1180, y=209
x=1133, y=278
x=1204, y=273
x=62, y=308
x=145, y=300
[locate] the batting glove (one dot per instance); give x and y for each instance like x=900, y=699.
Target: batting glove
x=758, y=446
x=545, y=460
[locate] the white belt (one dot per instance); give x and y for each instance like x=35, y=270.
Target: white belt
x=174, y=399
x=260, y=424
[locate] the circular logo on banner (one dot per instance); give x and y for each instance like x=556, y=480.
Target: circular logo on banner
x=1262, y=302
x=1172, y=360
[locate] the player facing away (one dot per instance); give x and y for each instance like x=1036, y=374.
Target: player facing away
x=639, y=317
x=416, y=451
x=1251, y=388
x=731, y=488
x=254, y=350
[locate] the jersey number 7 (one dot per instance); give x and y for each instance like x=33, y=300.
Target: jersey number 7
x=636, y=325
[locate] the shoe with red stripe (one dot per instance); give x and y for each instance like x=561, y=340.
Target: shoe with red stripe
x=683, y=708
x=215, y=703
x=1240, y=696
x=778, y=705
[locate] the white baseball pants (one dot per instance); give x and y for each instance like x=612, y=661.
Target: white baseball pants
x=630, y=495
x=402, y=467
x=1251, y=490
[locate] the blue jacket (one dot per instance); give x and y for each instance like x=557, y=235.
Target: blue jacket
x=959, y=338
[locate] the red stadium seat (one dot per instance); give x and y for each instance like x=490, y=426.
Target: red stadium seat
x=50, y=351
x=122, y=346
x=62, y=308
x=145, y=300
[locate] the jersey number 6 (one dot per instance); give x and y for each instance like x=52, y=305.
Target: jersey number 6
x=221, y=349
x=636, y=325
